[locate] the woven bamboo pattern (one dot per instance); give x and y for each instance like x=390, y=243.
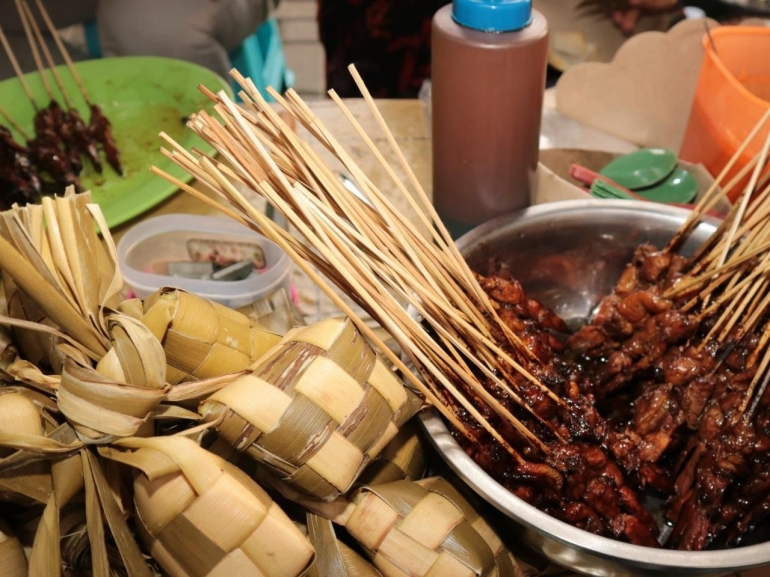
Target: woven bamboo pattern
x=316, y=409
x=402, y=458
x=13, y=563
x=333, y=557
x=426, y=529
x=200, y=516
x=203, y=339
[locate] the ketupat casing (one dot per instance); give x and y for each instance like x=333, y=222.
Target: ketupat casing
x=117, y=396
x=20, y=419
x=201, y=516
x=203, y=339
x=316, y=409
x=402, y=458
x=13, y=563
x=333, y=557
x=426, y=529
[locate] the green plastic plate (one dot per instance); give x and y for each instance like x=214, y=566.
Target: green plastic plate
x=142, y=96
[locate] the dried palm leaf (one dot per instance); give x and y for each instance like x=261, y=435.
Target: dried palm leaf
x=426, y=528
x=63, y=274
x=76, y=549
x=21, y=371
x=13, y=563
x=37, y=347
x=198, y=515
x=117, y=396
x=67, y=481
x=316, y=409
x=20, y=418
x=202, y=339
x=402, y=458
x=333, y=557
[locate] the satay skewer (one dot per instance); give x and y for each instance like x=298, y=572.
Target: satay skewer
x=77, y=136
x=100, y=127
x=63, y=51
x=33, y=47
x=27, y=16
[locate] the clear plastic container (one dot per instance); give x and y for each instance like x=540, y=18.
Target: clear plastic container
x=165, y=238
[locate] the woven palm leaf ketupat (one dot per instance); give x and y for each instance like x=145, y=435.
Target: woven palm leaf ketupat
x=402, y=458
x=202, y=339
x=333, y=557
x=426, y=529
x=316, y=409
x=117, y=396
x=13, y=563
x=113, y=368
x=21, y=420
x=200, y=516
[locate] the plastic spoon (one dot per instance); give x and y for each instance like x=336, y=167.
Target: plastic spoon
x=641, y=169
x=680, y=187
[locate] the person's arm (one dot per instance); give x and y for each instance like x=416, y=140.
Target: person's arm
x=627, y=20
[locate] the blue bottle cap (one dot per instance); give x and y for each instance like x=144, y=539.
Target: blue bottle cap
x=493, y=15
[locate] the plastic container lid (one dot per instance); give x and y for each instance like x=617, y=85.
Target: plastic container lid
x=493, y=15
x=165, y=237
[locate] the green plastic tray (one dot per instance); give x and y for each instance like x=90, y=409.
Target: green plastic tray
x=142, y=96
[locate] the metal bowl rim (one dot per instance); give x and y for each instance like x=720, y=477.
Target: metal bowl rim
x=740, y=558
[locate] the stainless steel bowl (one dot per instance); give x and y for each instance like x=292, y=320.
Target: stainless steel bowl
x=569, y=255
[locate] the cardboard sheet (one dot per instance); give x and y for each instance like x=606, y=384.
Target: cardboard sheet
x=644, y=95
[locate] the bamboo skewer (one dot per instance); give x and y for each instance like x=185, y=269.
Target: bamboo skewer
x=17, y=68
x=15, y=125
x=47, y=53
x=745, y=200
x=33, y=47
x=712, y=195
x=62, y=49
x=314, y=223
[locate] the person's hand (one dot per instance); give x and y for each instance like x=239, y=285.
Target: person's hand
x=627, y=20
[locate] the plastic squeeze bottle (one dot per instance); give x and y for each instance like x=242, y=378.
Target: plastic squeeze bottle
x=488, y=78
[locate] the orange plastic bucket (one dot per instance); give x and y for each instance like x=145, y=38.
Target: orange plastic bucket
x=732, y=95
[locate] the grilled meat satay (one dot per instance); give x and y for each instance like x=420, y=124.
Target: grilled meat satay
x=54, y=119
x=84, y=140
x=19, y=182
x=47, y=153
x=101, y=129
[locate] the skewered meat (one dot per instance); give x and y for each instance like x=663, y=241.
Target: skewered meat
x=77, y=137
x=101, y=129
x=48, y=155
x=53, y=123
x=669, y=420
x=18, y=177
